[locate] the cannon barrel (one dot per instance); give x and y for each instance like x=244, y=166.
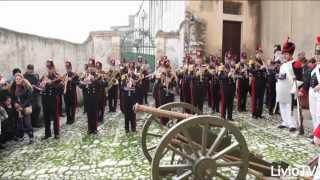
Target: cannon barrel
x=168, y=114
x=160, y=112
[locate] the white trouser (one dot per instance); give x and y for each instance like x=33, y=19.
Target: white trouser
x=286, y=116
x=312, y=107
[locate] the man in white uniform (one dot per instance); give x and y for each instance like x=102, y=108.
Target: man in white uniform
x=314, y=91
x=290, y=71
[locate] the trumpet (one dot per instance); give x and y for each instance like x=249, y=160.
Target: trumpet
x=66, y=80
x=45, y=80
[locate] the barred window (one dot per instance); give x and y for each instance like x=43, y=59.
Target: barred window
x=232, y=7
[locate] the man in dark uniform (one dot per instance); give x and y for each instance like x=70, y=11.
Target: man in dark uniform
x=114, y=87
x=201, y=83
x=272, y=70
x=185, y=81
x=51, y=84
x=242, y=82
x=258, y=84
x=214, y=84
x=34, y=80
x=92, y=85
x=70, y=92
x=139, y=85
x=168, y=83
x=227, y=91
x=128, y=99
x=103, y=94
x=83, y=75
x=145, y=81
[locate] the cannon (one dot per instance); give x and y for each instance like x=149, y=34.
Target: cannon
x=195, y=146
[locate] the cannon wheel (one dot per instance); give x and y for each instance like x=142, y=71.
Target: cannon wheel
x=203, y=160
x=145, y=134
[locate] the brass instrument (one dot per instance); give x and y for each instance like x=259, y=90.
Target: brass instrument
x=112, y=78
x=66, y=79
x=45, y=80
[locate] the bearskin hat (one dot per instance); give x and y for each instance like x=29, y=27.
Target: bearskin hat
x=50, y=64
x=276, y=47
x=113, y=62
x=244, y=55
x=259, y=49
x=228, y=55
x=131, y=65
x=92, y=62
x=98, y=65
x=288, y=47
x=167, y=63
x=68, y=64
x=86, y=66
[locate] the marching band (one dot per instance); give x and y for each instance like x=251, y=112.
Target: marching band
x=279, y=83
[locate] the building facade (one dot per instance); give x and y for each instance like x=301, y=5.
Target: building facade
x=240, y=25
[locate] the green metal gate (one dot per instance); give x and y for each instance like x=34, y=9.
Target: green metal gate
x=136, y=43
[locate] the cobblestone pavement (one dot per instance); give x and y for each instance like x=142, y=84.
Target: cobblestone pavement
x=112, y=154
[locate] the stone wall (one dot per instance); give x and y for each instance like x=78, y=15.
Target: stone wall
x=296, y=18
x=20, y=49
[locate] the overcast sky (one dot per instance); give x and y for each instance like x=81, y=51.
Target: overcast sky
x=68, y=20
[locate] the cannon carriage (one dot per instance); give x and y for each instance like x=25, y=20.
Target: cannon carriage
x=195, y=146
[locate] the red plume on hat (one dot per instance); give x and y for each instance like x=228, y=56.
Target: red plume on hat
x=317, y=48
x=318, y=40
x=288, y=47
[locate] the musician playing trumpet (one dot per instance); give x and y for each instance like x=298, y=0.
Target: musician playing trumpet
x=167, y=85
x=128, y=97
x=242, y=82
x=214, y=84
x=92, y=85
x=71, y=80
x=113, y=86
x=227, y=82
x=102, y=75
x=200, y=83
x=51, y=85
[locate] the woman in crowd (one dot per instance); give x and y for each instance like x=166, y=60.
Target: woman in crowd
x=21, y=92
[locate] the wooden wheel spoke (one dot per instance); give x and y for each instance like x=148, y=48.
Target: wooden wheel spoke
x=151, y=148
x=225, y=150
x=190, y=142
x=154, y=135
x=185, y=175
x=217, y=142
x=204, y=138
x=229, y=164
x=172, y=157
x=164, y=153
x=182, y=154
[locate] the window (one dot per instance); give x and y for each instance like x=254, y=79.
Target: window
x=232, y=7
